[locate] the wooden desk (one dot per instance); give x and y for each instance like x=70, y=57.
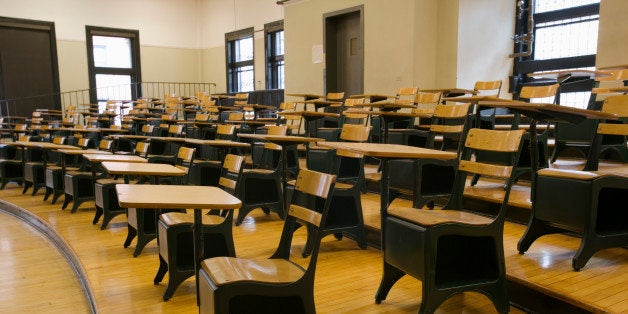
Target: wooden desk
x=320, y=103
x=222, y=145
x=179, y=196
x=388, y=117
x=373, y=97
x=310, y=116
x=154, y=170
x=387, y=106
x=450, y=92
x=387, y=152
x=95, y=159
x=563, y=76
x=306, y=96
x=547, y=113
x=284, y=141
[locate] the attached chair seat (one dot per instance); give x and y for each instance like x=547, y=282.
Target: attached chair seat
x=176, y=218
x=269, y=271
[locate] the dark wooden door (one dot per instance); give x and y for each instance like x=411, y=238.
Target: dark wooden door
x=344, y=52
x=29, y=76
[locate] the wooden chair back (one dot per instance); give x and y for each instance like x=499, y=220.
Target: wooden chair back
x=406, y=94
x=355, y=133
x=232, y=167
x=276, y=130
x=225, y=129
x=186, y=154
x=241, y=99
x=58, y=140
x=83, y=142
x=335, y=96
x=201, y=117
x=236, y=116
x=175, y=130
x=147, y=129
x=488, y=88
x=105, y=144
x=609, y=133
x=141, y=148
x=544, y=91
x=508, y=142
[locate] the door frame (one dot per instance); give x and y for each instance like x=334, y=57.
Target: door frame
x=46, y=26
x=326, y=28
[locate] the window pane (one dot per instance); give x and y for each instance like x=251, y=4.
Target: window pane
x=113, y=87
x=566, y=39
x=245, y=77
x=279, y=43
x=244, y=49
x=577, y=100
x=280, y=75
x=112, y=52
x=553, y=5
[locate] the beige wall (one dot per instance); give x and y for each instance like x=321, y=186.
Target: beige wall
x=484, y=42
x=169, y=34
x=424, y=43
x=218, y=17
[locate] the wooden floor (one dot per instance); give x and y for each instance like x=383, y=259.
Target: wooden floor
x=346, y=280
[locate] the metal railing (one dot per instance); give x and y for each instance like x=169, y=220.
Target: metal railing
x=9, y=107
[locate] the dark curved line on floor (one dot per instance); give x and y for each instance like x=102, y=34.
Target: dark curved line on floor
x=49, y=231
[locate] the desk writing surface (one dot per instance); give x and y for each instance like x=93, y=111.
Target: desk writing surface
x=281, y=138
x=123, y=158
x=306, y=96
x=570, y=73
x=225, y=143
x=148, y=169
x=309, y=113
x=175, y=196
x=551, y=112
x=378, y=150
x=449, y=91
x=83, y=151
x=476, y=99
x=387, y=105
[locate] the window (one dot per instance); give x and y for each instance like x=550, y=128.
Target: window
x=274, y=55
x=565, y=37
x=114, y=64
x=240, y=69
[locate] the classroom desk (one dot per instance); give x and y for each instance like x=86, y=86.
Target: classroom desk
x=256, y=108
x=450, y=92
x=387, y=106
x=547, y=113
x=96, y=159
x=389, y=117
x=306, y=96
x=284, y=141
x=320, y=103
x=310, y=116
x=373, y=97
x=387, y=152
x=222, y=145
x=153, y=170
x=563, y=77
x=179, y=197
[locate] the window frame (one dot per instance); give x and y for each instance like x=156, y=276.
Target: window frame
x=271, y=59
x=522, y=66
x=231, y=64
x=135, y=71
